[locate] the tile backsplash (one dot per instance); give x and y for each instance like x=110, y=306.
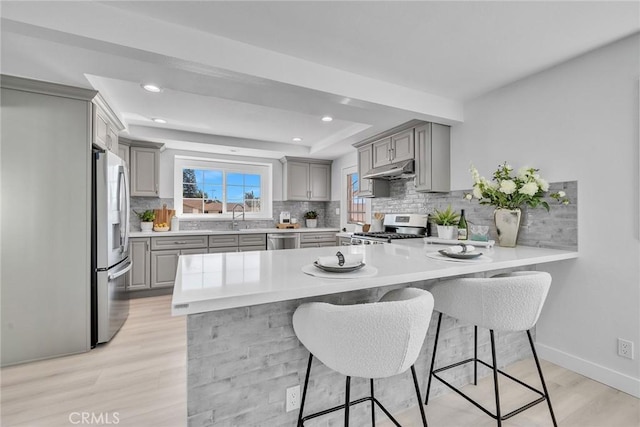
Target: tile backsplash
x=326, y=214
x=557, y=229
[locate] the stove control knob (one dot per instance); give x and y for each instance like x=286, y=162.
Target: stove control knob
x=367, y=242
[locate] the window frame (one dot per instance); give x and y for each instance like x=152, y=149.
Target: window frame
x=344, y=173
x=265, y=170
x=350, y=201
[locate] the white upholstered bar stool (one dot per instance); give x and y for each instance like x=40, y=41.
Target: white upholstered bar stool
x=374, y=340
x=506, y=302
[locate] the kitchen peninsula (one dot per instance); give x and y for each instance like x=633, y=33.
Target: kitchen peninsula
x=243, y=354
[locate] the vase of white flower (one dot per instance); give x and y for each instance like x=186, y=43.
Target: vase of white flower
x=507, y=225
x=508, y=194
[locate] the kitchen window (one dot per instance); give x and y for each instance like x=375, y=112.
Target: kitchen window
x=356, y=207
x=211, y=189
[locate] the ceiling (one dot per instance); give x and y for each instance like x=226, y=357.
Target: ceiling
x=247, y=77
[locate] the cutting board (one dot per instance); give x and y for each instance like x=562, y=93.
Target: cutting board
x=163, y=215
x=281, y=225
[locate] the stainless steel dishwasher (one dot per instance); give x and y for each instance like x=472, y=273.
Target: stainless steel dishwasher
x=277, y=241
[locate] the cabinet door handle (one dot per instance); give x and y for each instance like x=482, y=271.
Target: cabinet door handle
x=180, y=242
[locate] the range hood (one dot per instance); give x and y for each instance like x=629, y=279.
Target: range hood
x=397, y=170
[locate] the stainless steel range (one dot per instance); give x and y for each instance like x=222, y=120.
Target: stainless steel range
x=396, y=227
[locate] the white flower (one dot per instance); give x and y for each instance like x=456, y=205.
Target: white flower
x=523, y=173
x=561, y=193
x=530, y=188
x=474, y=174
x=543, y=184
x=507, y=186
x=477, y=192
x=468, y=196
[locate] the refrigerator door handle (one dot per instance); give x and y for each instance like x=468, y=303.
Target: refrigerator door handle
x=123, y=208
x=120, y=272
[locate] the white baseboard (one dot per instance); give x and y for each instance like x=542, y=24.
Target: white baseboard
x=591, y=370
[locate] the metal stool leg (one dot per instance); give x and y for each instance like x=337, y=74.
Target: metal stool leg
x=304, y=390
x=346, y=402
x=415, y=383
x=495, y=378
x=544, y=385
x=433, y=359
x=373, y=406
x=475, y=355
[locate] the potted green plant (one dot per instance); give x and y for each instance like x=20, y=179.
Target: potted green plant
x=447, y=222
x=311, y=219
x=146, y=219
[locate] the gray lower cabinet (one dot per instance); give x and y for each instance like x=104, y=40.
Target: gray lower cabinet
x=343, y=241
x=317, y=240
x=140, y=275
x=165, y=252
x=219, y=243
x=163, y=268
x=252, y=242
x=155, y=259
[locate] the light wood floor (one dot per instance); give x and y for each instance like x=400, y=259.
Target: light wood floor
x=141, y=375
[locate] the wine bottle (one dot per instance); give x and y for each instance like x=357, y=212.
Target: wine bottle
x=463, y=229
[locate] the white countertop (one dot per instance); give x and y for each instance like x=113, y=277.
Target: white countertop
x=210, y=282
x=241, y=231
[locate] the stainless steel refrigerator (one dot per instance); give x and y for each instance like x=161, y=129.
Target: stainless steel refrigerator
x=110, y=246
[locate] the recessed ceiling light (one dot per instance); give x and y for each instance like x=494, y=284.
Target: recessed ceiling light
x=157, y=120
x=152, y=88
x=296, y=139
x=327, y=118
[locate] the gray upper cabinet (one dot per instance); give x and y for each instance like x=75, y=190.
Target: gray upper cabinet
x=297, y=181
x=319, y=182
x=426, y=143
x=106, y=126
x=306, y=179
x=123, y=153
x=369, y=187
x=432, y=158
x=145, y=171
x=393, y=149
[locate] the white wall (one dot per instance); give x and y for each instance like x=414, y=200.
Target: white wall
x=338, y=165
x=577, y=121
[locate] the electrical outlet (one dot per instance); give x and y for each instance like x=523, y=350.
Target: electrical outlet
x=625, y=348
x=337, y=211
x=293, y=398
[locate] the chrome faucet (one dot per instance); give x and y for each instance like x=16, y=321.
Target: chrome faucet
x=234, y=223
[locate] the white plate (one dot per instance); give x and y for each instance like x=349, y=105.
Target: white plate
x=440, y=257
x=459, y=255
x=344, y=269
